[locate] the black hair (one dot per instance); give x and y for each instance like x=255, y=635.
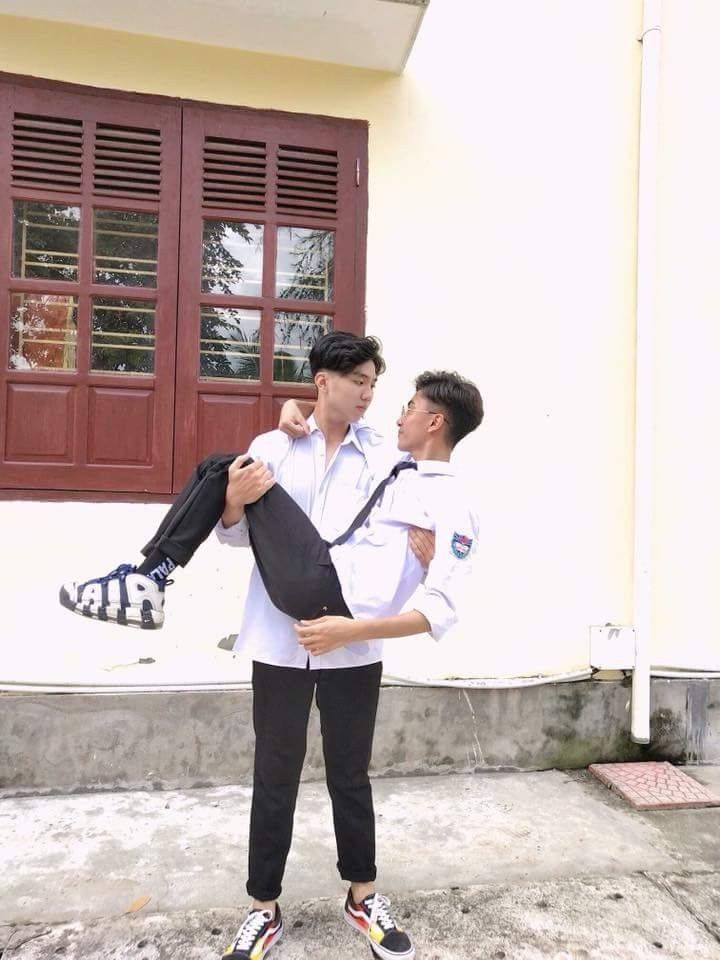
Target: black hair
x=342, y=352
x=459, y=398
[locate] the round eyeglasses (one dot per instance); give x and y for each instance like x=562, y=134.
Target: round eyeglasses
x=406, y=410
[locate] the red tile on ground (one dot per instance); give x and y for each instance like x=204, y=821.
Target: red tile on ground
x=654, y=786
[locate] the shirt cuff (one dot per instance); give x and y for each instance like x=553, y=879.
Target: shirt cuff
x=237, y=535
x=438, y=613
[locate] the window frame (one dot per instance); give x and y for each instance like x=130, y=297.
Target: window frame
x=283, y=128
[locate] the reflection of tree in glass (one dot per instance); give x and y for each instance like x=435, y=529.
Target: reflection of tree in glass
x=222, y=270
x=126, y=248
x=313, y=262
x=222, y=273
x=295, y=335
x=219, y=325
x=117, y=331
x=287, y=369
x=45, y=240
x=42, y=333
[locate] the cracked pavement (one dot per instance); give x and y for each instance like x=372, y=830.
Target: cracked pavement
x=511, y=866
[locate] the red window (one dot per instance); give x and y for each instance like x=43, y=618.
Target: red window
x=160, y=290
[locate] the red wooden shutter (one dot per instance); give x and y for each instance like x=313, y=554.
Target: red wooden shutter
x=87, y=332
x=249, y=178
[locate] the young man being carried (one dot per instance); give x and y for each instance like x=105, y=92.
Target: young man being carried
x=348, y=366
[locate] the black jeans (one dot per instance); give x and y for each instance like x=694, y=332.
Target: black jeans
x=292, y=558
x=197, y=508
x=347, y=699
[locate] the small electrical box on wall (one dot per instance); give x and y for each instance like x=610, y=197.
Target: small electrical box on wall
x=612, y=647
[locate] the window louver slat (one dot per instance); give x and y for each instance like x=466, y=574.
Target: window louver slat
x=29, y=163
x=124, y=172
x=22, y=154
x=114, y=131
x=126, y=188
x=307, y=182
x=292, y=176
x=47, y=152
x=219, y=146
x=52, y=145
x=212, y=176
x=136, y=156
x=234, y=173
x=233, y=163
x=46, y=125
x=122, y=164
x=127, y=161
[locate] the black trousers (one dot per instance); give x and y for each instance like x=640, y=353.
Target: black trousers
x=347, y=700
x=282, y=696
x=292, y=558
x=197, y=508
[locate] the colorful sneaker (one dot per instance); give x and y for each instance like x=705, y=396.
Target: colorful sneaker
x=123, y=596
x=258, y=934
x=373, y=919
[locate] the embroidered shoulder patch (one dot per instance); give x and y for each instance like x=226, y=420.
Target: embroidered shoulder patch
x=461, y=545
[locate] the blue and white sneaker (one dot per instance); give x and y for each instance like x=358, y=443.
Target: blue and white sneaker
x=122, y=596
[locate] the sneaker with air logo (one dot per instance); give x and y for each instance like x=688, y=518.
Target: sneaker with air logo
x=259, y=933
x=373, y=918
x=122, y=596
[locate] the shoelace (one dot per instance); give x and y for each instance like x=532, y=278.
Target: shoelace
x=119, y=573
x=380, y=912
x=252, y=925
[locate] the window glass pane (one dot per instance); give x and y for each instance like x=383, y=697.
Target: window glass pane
x=229, y=343
x=305, y=262
x=295, y=334
x=43, y=332
x=45, y=240
x=232, y=258
x=123, y=335
x=125, y=248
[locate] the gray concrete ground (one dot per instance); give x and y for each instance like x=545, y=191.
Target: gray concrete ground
x=491, y=865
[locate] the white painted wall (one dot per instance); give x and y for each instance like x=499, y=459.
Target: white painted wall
x=46, y=544
x=501, y=243
x=520, y=125
x=687, y=522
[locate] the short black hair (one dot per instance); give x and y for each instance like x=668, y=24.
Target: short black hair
x=342, y=352
x=459, y=398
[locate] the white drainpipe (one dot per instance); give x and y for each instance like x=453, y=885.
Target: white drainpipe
x=645, y=333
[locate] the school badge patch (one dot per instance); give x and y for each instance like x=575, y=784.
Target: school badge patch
x=461, y=545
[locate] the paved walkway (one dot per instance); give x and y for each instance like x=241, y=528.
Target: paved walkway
x=514, y=866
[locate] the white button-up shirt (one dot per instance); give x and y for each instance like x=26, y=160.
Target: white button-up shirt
x=331, y=494
x=377, y=570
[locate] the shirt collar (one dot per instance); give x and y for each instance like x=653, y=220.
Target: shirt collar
x=436, y=467
x=352, y=436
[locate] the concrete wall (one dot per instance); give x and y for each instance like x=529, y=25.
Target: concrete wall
x=65, y=743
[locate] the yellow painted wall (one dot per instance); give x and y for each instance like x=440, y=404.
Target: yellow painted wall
x=501, y=242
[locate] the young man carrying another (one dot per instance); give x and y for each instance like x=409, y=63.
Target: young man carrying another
x=329, y=474
x=338, y=658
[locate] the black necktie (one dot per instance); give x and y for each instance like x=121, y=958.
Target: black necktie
x=374, y=497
